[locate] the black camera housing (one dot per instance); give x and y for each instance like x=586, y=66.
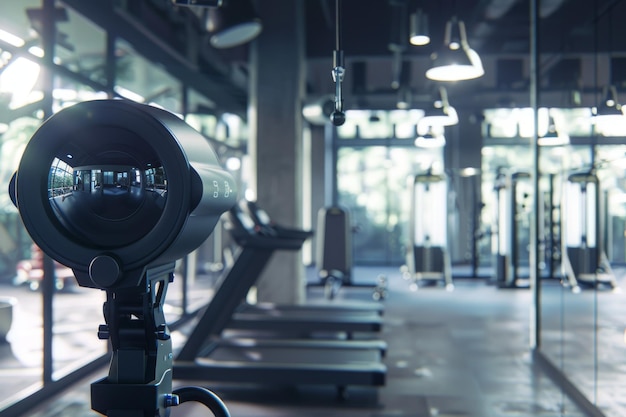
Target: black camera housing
x=111, y=188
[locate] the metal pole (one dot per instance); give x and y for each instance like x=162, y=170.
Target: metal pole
x=48, y=285
x=535, y=283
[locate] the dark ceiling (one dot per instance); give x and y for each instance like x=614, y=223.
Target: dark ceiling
x=493, y=26
x=573, y=37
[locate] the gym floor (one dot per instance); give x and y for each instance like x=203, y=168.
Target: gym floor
x=450, y=354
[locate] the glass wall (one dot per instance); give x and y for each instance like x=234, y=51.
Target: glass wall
x=583, y=322
x=376, y=160
x=580, y=240
x=20, y=116
x=581, y=334
x=85, y=68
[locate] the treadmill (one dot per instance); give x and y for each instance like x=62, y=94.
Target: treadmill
x=206, y=356
x=262, y=221
x=293, y=319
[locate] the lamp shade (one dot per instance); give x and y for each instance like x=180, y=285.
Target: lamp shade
x=456, y=65
x=419, y=34
x=233, y=24
x=553, y=137
x=456, y=61
x=441, y=113
x=430, y=140
x=440, y=116
x=609, y=112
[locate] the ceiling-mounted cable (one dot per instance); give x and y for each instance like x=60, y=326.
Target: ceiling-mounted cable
x=338, y=117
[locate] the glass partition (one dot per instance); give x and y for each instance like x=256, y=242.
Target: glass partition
x=580, y=239
x=82, y=48
x=80, y=53
x=138, y=79
x=582, y=312
x=379, y=197
x=19, y=309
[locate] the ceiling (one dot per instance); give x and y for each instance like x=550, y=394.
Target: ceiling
x=493, y=26
x=575, y=40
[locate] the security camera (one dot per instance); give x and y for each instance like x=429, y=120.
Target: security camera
x=111, y=187
x=118, y=191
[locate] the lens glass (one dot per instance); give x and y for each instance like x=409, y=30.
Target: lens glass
x=109, y=192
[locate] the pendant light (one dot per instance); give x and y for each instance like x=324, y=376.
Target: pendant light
x=431, y=139
x=608, y=116
x=456, y=61
x=419, y=33
x=441, y=113
x=553, y=136
x=235, y=23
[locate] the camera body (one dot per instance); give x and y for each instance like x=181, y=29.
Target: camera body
x=111, y=188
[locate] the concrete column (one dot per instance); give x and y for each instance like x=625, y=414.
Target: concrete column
x=275, y=118
x=463, y=150
x=318, y=181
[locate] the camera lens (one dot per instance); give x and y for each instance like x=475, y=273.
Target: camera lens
x=105, y=187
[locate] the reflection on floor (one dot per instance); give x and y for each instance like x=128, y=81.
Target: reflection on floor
x=458, y=353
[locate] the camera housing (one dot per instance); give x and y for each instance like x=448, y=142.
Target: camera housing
x=111, y=188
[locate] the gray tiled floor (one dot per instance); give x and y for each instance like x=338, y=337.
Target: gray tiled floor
x=460, y=353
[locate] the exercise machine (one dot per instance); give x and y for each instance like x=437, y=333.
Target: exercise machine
x=263, y=221
x=334, y=254
x=511, y=236
x=585, y=263
x=294, y=319
x=427, y=257
x=207, y=356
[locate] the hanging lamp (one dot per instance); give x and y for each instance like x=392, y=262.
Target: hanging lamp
x=430, y=139
x=235, y=23
x=609, y=113
x=456, y=61
x=554, y=136
x=419, y=33
x=441, y=113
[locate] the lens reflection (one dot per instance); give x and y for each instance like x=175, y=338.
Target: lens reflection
x=112, y=201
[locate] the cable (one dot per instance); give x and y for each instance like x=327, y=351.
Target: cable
x=337, y=25
x=204, y=396
x=338, y=117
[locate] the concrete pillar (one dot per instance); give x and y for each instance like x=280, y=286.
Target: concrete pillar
x=463, y=150
x=318, y=180
x=275, y=118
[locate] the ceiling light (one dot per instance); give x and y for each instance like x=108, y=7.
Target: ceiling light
x=456, y=61
x=419, y=34
x=318, y=111
x=441, y=113
x=430, y=140
x=405, y=98
x=553, y=136
x=609, y=113
x=233, y=24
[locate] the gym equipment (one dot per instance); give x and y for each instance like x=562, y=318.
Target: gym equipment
x=511, y=239
x=584, y=258
x=263, y=221
x=291, y=319
x=427, y=257
x=334, y=254
x=118, y=191
x=209, y=357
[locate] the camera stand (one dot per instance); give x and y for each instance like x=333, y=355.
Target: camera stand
x=139, y=383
